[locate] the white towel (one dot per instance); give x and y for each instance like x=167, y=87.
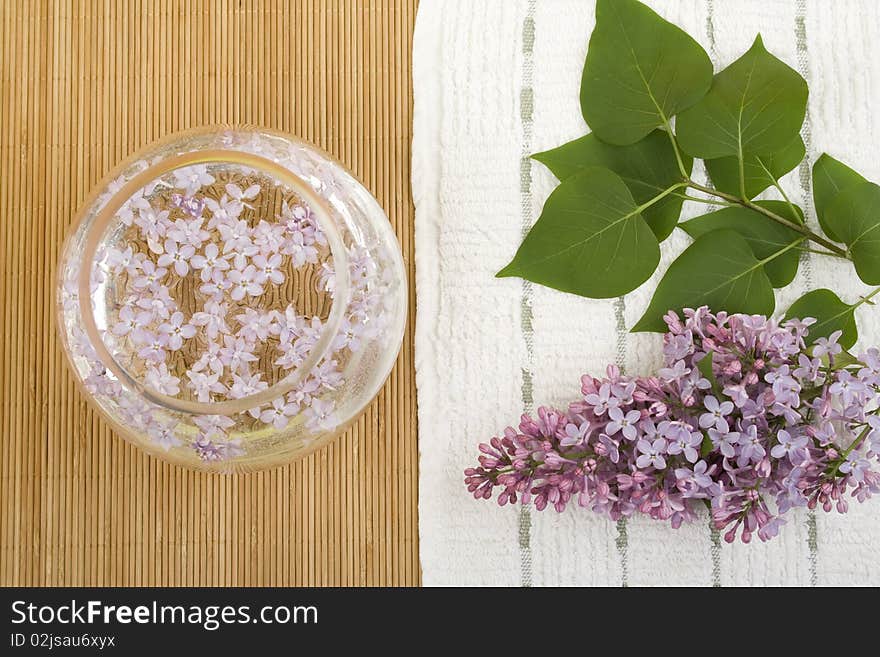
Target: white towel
x=495, y=81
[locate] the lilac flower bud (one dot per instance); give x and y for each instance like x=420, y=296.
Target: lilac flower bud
x=732, y=367
x=658, y=409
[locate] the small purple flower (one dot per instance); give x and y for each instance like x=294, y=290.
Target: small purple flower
x=651, y=454
x=192, y=206
x=321, y=416
x=855, y=466
x=575, y=434
x=687, y=443
x=725, y=441
x=153, y=345
x=236, y=353
x=692, y=482
x=873, y=437
x=751, y=449
x=716, y=414
x=601, y=400
x=847, y=386
x=625, y=423
x=794, y=447
x=610, y=447
x=158, y=302
x=808, y=368
x=678, y=371
x=212, y=318
x=828, y=346
x=236, y=238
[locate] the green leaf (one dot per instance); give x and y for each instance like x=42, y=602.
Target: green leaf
x=854, y=216
x=831, y=314
x=706, y=447
x=845, y=359
x=718, y=270
x=764, y=236
x=725, y=170
x=830, y=178
x=756, y=105
x=640, y=71
x=590, y=239
x=647, y=167
x=705, y=367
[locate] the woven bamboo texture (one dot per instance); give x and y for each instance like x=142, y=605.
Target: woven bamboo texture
x=83, y=85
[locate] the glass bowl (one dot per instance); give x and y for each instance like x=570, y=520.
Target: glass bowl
x=231, y=298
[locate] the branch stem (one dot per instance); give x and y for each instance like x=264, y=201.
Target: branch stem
x=867, y=298
x=751, y=205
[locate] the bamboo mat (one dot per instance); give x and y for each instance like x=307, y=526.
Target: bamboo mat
x=85, y=84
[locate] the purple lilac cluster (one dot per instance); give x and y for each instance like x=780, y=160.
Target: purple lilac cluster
x=744, y=418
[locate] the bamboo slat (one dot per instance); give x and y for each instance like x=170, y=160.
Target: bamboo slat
x=82, y=85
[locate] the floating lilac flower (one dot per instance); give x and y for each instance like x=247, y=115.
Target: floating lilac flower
x=212, y=318
x=130, y=320
x=206, y=382
x=223, y=212
x=158, y=302
x=300, y=249
x=161, y=380
x=150, y=276
x=243, y=196
x=193, y=178
x=153, y=227
x=321, y=416
x=246, y=385
x=177, y=256
x=164, y=435
x=176, y=330
x=280, y=413
x=236, y=353
x=267, y=269
x=153, y=345
x=244, y=283
x=254, y=325
x=210, y=262
x=189, y=232
x=217, y=286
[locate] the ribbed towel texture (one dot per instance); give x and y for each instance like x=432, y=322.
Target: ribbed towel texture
x=495, y=81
